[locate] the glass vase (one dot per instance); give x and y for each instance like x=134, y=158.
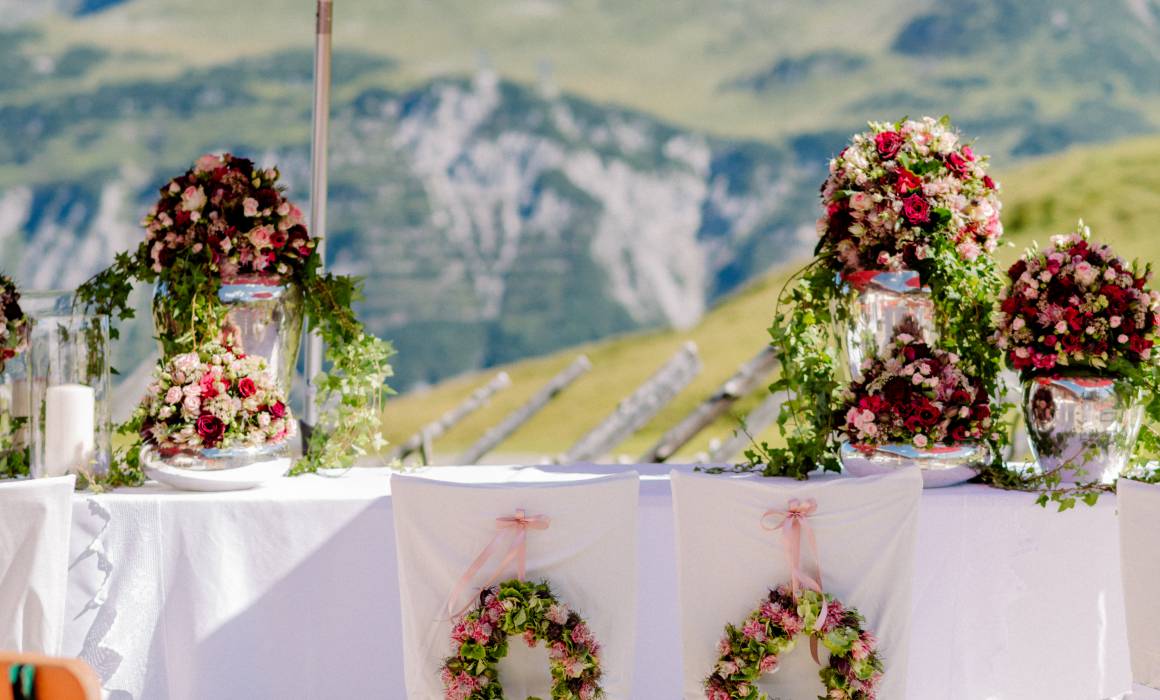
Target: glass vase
x=69, y=394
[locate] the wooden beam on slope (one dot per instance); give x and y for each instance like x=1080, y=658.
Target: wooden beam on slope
x=754, y=424
x=422, y=440
x=494, y=436
x=632, y=413
x=751, y=375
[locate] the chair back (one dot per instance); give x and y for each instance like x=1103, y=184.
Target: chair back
x=731, y=552
x=1139, y=515
x=52, y=678
x=35, y=523
x=587, y=553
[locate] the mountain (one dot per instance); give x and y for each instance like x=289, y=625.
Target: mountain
x=1116, y=190
x=519, y=176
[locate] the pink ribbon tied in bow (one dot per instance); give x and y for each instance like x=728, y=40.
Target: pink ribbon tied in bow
x=793, y=522
x=517, y=551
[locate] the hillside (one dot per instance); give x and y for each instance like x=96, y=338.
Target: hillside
x=1115, y=189
x=518, y=176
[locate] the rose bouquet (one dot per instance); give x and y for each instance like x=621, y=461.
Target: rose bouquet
x=1076, y=304
x=214, y=398
x=913, y=394
x=903, y=193
x=227, y=216
x=13, y=335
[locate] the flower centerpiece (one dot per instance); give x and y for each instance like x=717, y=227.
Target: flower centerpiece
x=904, y=193
x=13, y=325
x=13, y=417
x=909, y=219
x=231, y=262
x=915, y=403
x=213, y=399
x=1079, y=324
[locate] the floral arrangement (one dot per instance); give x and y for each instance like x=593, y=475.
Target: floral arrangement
x=13, y=336
x=1076, y=304
x=914, y=394
x=230, y=214
x=225, y=218
x=754, y=649
x=903, y=195
x=213, y=398
x=905, y=192
x=531, y=611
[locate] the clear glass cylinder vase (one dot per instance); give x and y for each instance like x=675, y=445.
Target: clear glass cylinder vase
x=69, y=392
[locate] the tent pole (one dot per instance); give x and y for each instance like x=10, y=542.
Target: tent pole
x=318, y=183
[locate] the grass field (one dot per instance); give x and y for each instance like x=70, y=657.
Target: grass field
x=1115, y=189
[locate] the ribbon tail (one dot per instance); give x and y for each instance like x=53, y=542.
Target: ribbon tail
x=814, y=649
x=465, y=580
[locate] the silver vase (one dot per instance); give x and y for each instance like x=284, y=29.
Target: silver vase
x=1083, y=428
x=264, y=317
x=218, y=468
x=940, y=465
x=876, y=303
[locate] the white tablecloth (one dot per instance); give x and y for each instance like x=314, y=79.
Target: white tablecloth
x=290, y=591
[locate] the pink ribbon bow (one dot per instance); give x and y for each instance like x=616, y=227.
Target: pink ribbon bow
x=793, y=522
x=517, y=551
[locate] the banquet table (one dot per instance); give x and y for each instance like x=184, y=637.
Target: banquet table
x=290, y=591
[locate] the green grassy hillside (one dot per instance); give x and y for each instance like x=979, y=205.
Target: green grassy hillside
x=1116, y=189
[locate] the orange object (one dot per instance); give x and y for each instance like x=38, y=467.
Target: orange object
x=56, y=678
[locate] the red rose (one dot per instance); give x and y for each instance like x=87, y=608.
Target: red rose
x=981, y=411
x=907, y=181
x=914, y=424
x=210, y=428
x=957, y=165
x=278, y=239
x=988, y=182
x=888, y=144
x=959, y=433
x=278, y=409
x=916, y=210
x=1139, y=344
x=928, y=413
x=1016, y=271
x=246, y=387
x=961, y=397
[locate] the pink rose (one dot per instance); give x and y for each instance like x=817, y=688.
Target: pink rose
x=174, y=395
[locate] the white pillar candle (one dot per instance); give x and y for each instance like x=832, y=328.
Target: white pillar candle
x=69, y=428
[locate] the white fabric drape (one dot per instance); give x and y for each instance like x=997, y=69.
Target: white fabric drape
x=727, y=562
x=1139, y=505
x=35, y=522
x=587, y=554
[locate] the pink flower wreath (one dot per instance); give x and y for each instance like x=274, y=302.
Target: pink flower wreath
x=754, y=649
x=531, y=611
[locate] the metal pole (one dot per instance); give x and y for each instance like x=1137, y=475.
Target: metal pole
x=318, y=150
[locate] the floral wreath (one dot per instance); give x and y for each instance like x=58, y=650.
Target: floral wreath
x=532, y=611
x=754, y=649
x=747, y=653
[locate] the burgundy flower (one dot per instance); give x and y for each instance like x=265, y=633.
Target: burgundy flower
x=896, y=391
x=1139, y=344
x=246, y=387
x=961, y=397
x=888, y=144
x=278, y=409
x=211, y=429
x=988, y=182
x=958, y=165
x=959, y=433
x=916, y=209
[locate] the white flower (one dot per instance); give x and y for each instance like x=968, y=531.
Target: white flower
x=920, y=441
x=250, y=206
x=193, y=199
x=192, y=404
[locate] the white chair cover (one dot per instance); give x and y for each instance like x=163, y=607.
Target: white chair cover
x=588, y=555
x=35, y=520
x=1139, y=506
x=727, y=562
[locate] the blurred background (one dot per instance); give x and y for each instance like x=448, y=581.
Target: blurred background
x=520, y=181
